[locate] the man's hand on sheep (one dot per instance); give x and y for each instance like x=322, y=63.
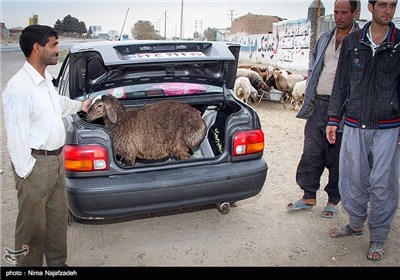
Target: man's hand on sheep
x=86, y=104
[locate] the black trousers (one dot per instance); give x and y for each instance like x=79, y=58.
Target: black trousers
x=318, y=154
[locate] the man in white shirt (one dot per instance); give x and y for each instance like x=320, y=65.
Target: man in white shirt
x=33, y=112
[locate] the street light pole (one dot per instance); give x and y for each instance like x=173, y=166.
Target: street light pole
x=181, y=20
x=165, y=24
x=231, y=15
x=201, y=29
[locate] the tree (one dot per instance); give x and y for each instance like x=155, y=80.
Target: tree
x=90, y=32
x=144, y=30
x=70, y=25
x=210, y=34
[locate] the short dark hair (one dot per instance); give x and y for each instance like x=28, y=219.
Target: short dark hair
x=372, y=2
x=354, y=5
x=35, y=34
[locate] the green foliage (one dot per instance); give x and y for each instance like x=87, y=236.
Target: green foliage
x=210, y=34
x=144, y=30
x=89, y=33
x=70, y=25
x=196, y=35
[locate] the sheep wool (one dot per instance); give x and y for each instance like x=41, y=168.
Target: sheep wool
x=155, y=131
x=244, y=90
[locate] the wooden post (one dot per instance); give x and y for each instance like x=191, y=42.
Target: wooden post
x=319, y=8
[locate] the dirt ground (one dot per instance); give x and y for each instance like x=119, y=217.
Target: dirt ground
x=258, y=232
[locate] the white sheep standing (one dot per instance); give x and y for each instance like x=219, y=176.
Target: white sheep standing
x=298, y=94
x=244, y=90
x=155, y=131
x=270, y=71
x=293, y=79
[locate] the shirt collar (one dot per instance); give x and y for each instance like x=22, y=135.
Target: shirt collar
x=390, y=34
x=351, y=30
x=35, y=75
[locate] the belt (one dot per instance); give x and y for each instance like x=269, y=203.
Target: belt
x=323, y=97
x=47, y=153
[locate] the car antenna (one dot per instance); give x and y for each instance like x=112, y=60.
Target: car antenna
x=122, y=29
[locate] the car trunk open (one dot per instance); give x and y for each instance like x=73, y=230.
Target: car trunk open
x=191, y=72
x=216, y=115
x=200, y=74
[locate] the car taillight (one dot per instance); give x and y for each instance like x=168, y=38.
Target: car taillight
x=248, y=142
x=85, y=158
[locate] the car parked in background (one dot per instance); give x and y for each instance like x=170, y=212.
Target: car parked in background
x=227, y=167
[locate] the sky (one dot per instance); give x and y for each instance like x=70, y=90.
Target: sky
x=196, y=15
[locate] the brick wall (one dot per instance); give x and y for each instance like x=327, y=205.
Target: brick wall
x=251, y=24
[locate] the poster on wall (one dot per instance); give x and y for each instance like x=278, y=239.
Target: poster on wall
x=287, y=46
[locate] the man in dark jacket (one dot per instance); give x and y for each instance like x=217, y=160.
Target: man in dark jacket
x=367, y=92
x=318, y=154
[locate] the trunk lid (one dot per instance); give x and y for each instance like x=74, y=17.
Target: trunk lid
x=97, y=66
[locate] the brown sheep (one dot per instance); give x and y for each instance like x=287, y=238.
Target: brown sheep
x=285, y=82
x=261, y=71
x=281, y=84
x=255, y=79
x=152, y=132
x=262, y=74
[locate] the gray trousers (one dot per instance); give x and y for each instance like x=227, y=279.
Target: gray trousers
x=42, y=219
x=369, y=172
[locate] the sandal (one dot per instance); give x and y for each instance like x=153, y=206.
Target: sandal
x=375, y=251
x=345, y=231
x=298, y=205
x=330, y=211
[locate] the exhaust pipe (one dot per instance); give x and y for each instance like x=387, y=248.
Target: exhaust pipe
x=224, y=207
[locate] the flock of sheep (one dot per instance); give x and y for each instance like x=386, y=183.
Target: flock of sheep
x=252, y=80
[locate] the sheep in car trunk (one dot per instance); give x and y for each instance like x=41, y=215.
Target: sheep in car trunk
x=153, y=132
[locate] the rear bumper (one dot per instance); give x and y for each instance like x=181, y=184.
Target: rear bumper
x=139, y=193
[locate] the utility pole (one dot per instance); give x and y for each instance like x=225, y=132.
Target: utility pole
x=180, y=36
x=201, y=30
x=196, y=23
x=165, y=25
x=231, y=15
